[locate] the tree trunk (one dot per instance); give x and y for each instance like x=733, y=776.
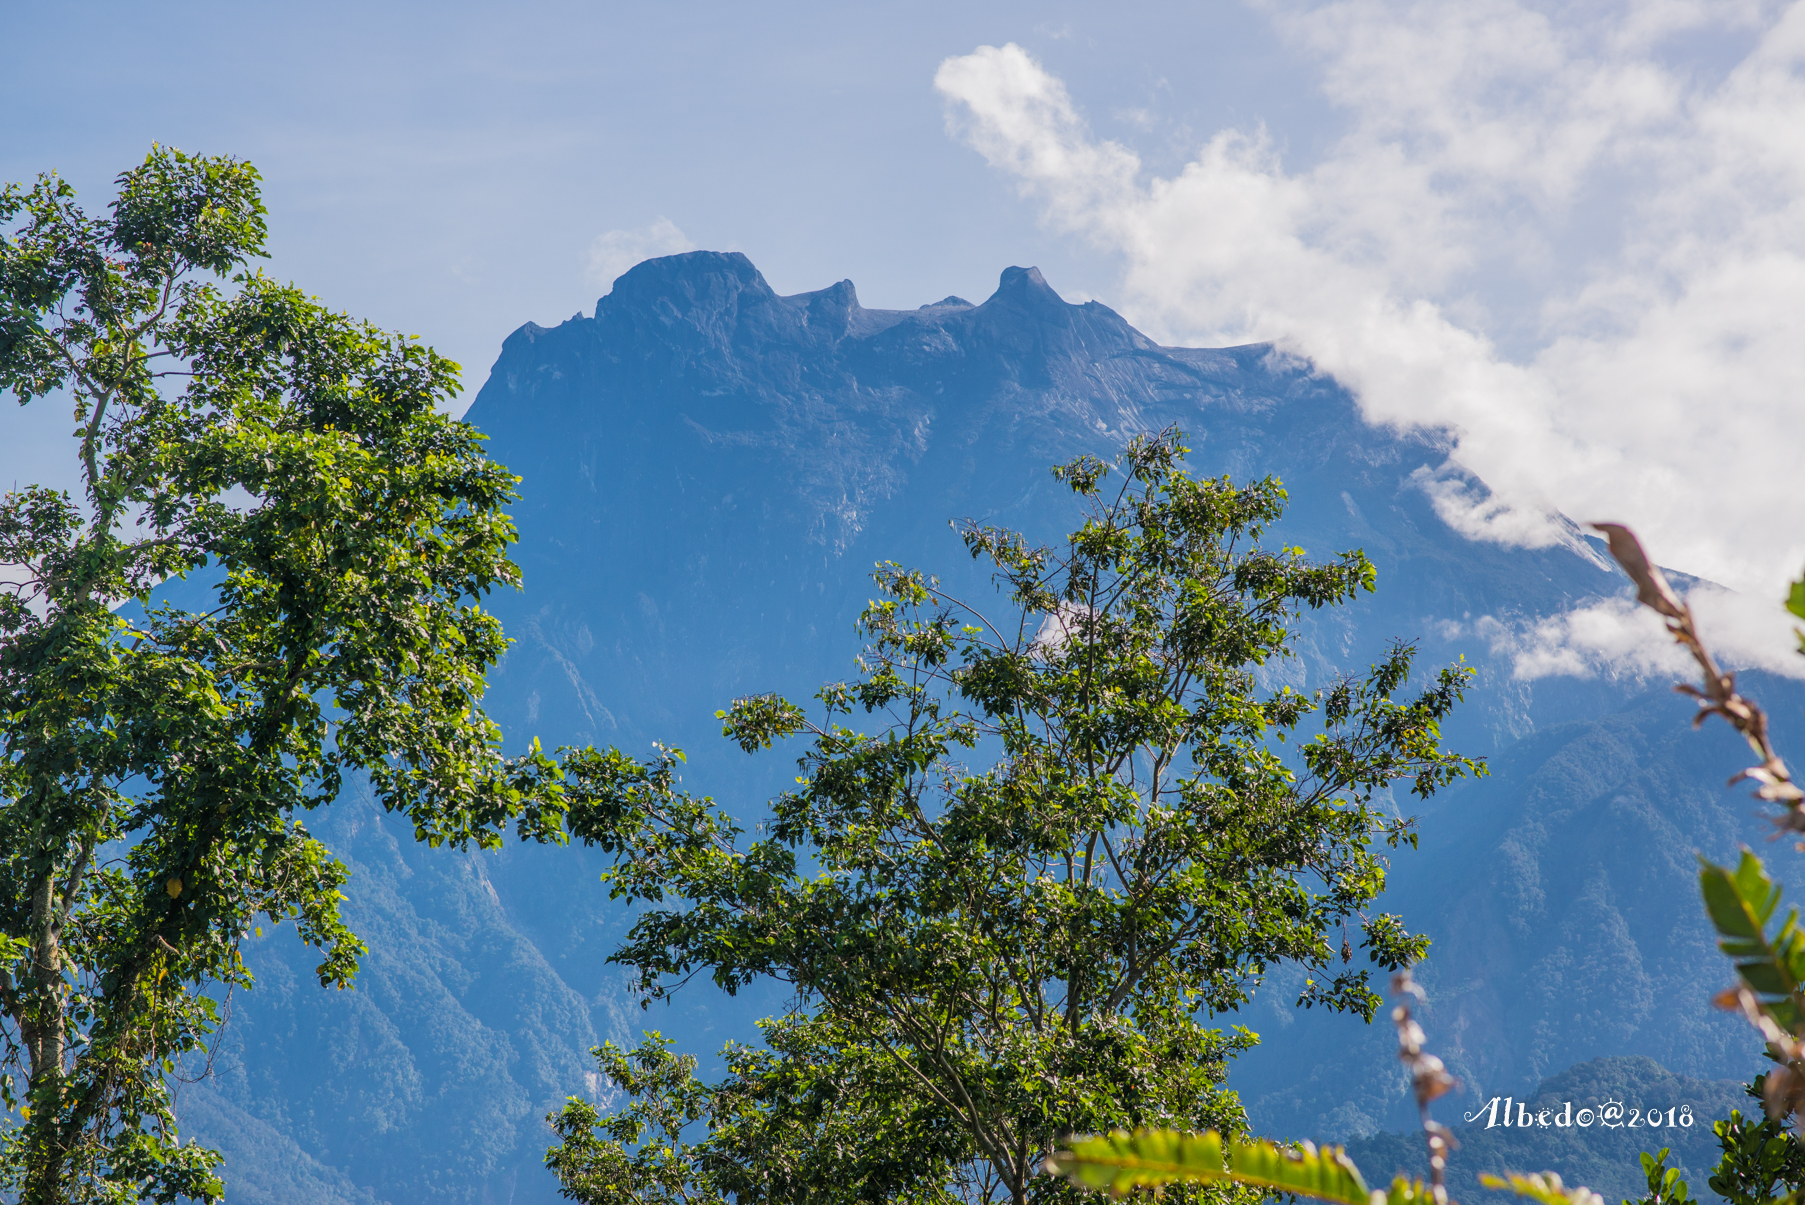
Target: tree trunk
x=46, y=1032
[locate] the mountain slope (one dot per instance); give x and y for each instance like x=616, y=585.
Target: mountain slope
x=709, y=471
x=1602, y=1154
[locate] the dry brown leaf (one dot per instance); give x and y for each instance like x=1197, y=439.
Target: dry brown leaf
x=1652, y=589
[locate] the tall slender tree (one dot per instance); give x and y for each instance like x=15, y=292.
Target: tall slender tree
x=337, y=531
x=1078, y=828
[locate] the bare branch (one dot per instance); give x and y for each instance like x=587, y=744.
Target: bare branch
x=1428, y=1076
x=1717, y=695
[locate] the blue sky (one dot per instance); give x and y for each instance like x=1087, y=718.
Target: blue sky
x=1573, y=234
x=445, y=167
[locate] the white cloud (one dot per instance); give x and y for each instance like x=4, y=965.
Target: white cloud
x=1545, y=233
x=1056, y=630
x=1613, y=637
x=1617, y=637
x=614, y=252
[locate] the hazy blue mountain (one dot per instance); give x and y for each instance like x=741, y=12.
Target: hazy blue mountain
x=1602, y=1154
x=709, y=471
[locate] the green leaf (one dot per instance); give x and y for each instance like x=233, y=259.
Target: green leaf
x=1740, y=905
x=1122, y=1161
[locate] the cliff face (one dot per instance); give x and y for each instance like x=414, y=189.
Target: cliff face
x=709, y=471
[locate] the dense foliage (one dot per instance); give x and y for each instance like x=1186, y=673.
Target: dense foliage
x=986, y=959
x=155, y=758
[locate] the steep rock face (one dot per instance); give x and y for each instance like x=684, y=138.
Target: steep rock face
x=709, y=471
x=707, y=439
x=838, y=405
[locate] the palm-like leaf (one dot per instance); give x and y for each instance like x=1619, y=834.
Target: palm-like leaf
x=1545, y=1187
x=1121, y=1161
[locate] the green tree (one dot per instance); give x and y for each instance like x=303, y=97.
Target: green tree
x=1031, y=948
x=1761, y=1161
x=157, y=757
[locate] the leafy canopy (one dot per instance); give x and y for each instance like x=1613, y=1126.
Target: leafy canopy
x=1761, y=1160
x=1009, y=953
x=155, y=759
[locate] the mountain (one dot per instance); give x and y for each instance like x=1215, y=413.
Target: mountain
x=709, y=471
x=1574, y=1132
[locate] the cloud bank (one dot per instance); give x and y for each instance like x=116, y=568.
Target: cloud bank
x=1618, y=638
x=1584, y=257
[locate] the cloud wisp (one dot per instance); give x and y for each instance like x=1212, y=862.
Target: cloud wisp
x=614, y=252
x=1618, y=638
x=1583, y=258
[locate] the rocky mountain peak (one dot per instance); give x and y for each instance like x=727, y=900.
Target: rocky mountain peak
x=701, y=281
x=1026, y=287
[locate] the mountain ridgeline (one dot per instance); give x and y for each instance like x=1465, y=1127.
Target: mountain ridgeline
x=709, y=472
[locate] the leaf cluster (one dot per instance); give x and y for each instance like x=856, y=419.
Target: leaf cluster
x=1761, y=1160
x=1664, y=1184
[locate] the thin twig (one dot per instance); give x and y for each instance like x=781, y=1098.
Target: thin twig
x=1428, y=1077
